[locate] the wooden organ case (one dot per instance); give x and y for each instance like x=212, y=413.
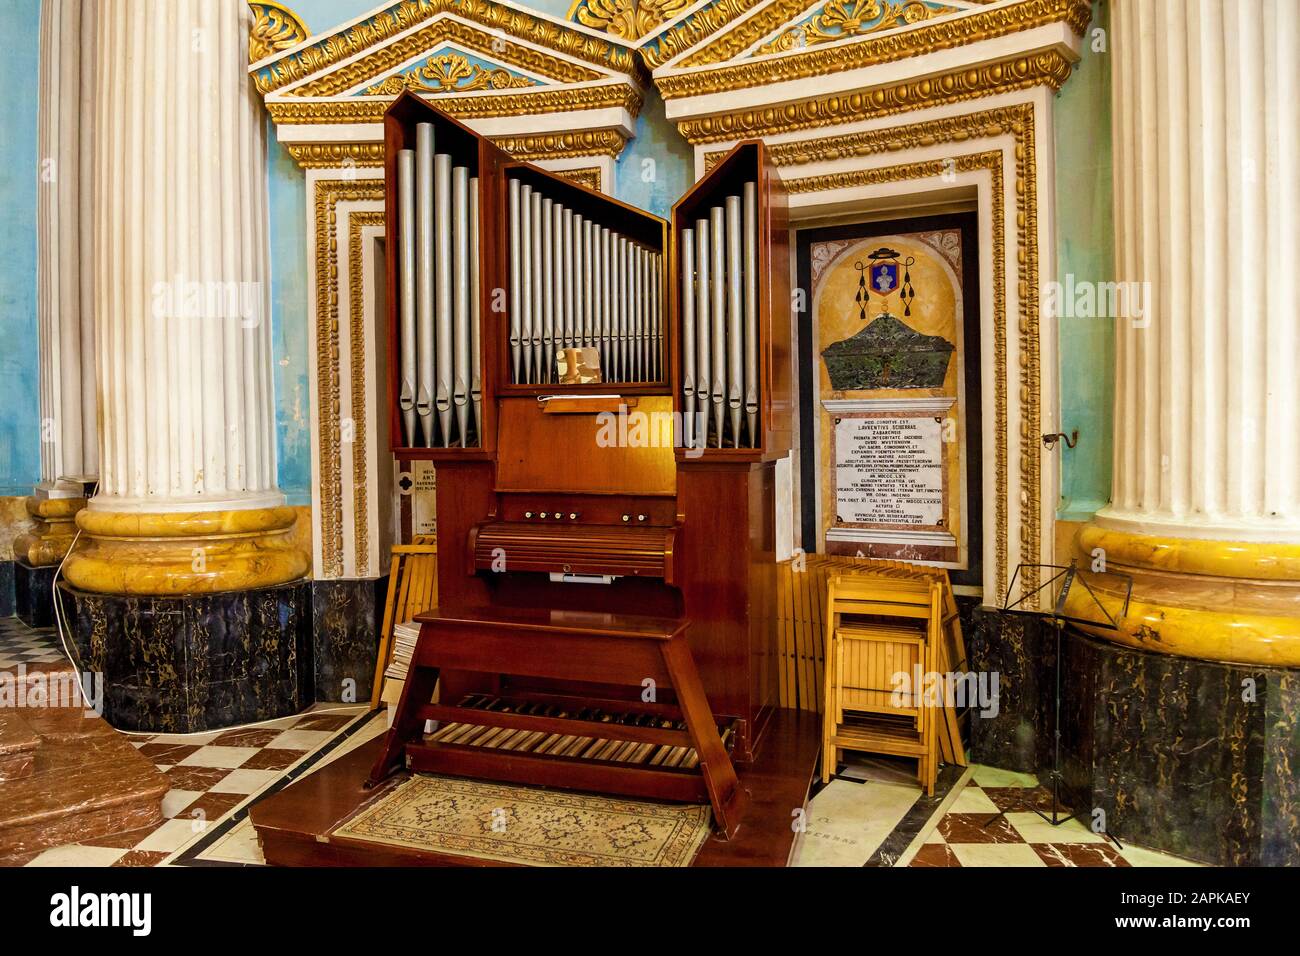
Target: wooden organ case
x=606, y=570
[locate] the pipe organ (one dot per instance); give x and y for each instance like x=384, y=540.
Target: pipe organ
x=606, y=547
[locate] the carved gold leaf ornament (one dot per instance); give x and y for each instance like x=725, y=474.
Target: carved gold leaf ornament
x=843, y=19
x=588, y=176
x=703, y=23
x=1050, y=68
x=449, y=72
x=336, y=155
x=627, y=19
x=275, y=28
x=527, y=102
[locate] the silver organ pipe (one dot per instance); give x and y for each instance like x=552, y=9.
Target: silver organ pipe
x=688, y=337
x=548, y=290
x=606, y=306
x=445, y=296
x=588, y=274
x=751, y=312
x=703, y=331
x=526, y=278
x=735, y=321
x=571, y=269
x=535, y=234
x=476, y=318
x=622, y=306
x=406, y=287
x=461, y=297
x=718, y=319
x=424, y=281
x=516, y=280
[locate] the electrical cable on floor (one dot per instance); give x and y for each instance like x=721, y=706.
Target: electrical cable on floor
x=59, y=623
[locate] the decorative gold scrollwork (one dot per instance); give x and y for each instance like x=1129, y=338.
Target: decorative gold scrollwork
x=447, y=72
x=628, y=19
x=275, y=28
x=842, y=19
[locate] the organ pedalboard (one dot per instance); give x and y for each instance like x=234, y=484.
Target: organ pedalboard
x=572, y=568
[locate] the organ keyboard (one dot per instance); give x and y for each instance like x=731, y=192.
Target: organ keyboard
x=606, y=576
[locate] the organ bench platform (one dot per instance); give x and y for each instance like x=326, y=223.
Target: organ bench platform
x=561, y=742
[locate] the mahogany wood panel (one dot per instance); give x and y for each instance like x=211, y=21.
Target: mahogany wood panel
x=562, y=453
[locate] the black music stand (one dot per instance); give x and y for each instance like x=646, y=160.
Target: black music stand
x=1067, y=575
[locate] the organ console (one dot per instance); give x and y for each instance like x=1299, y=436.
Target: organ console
x=606, y=569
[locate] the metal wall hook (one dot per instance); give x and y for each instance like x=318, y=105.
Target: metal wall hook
x=1072, y=439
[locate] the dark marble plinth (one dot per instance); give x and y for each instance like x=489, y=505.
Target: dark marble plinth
x=346, y=618
x=1190, y=757
x=6, y=589
x=197, y=662
x=33, y=594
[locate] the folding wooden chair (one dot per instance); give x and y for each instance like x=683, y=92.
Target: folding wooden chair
x=412, y=588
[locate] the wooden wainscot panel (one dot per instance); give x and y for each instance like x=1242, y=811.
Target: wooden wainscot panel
x=534, y=449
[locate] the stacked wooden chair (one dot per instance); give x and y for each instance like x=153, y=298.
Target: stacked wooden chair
x=889, y=619
x=412, y=588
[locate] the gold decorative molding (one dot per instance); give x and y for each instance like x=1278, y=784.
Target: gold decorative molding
x=1018, y=122
x=942, y=34
x=588, y=176
x=522, y=103
x=847, y=19
x=699, y=25
x=405, y=15
x=626, y=19
x=336, y=155
x=394, y=54
x=594, y=142
x=357, y=223
x=275, y=28
x=1049, y=68
x=329, y=193
x=447, y=73
x=993, y=162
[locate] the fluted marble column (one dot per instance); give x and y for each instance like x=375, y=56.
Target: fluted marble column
x=188, y=499
x=64, y=276
x=1205, y=506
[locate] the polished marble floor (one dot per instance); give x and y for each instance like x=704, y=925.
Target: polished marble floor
x=873, y=814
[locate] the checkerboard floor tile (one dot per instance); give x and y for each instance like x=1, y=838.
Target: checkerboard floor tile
x=992, y=822
x=212, y=776
x=20, y=644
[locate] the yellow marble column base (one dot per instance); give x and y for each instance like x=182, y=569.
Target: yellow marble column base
x=56, y=527
x=185, y=553
x=1214, y=600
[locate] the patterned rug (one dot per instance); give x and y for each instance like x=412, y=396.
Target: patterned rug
x=530, y=827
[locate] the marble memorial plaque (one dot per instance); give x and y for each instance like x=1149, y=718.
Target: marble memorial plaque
x=889, y=471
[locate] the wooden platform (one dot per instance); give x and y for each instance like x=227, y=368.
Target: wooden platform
x=295, y=826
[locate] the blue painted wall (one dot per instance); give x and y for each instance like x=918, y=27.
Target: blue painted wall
x=20, y=465
x=287, y=191
x=1085, y=237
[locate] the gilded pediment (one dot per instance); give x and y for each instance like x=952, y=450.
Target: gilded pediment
x=400, y=36
x=781, y=40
